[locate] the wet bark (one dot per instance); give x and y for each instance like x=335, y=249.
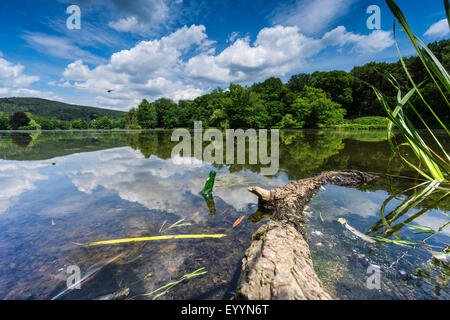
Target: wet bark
x=278, y=263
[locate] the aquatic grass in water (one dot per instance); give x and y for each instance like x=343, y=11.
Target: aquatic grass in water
x=148, y=275
x=432, y=165
x=166, y=288
x=177, y=224
x=24, y=231
x=390, y=224
x=436, y=167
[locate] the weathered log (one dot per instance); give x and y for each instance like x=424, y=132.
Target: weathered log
x=278, y=266
x=287, y=203
x=278, y=263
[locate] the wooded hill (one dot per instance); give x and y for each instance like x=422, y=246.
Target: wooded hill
x=54, y=109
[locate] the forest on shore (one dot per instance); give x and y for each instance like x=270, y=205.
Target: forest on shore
x=321, y=99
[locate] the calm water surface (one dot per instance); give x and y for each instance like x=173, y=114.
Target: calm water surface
x=59, y=190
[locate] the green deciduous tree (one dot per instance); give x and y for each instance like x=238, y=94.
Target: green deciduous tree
x=146, y=115
x=171, y=116
x=186, y=113
x=4, y=121
x=298, y=82
x=79, y=124
x=288, y=122
x=338, y=84
x=204, y=106
x=118, y=123
x=272, y=92
x=19, y=119
x=313, y=108
x=103, y=123
x=244, y=108
x=219, y=119
x=163, y=106
x=131, y=120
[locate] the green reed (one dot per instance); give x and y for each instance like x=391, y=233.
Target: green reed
x=433, y=165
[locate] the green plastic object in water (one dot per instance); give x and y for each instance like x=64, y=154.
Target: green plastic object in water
x=209, y=183
x=209, y=202
x=207, y=192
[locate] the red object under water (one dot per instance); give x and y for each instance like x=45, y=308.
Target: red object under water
x=238, y=221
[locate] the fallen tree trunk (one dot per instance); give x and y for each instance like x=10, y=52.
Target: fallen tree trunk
x=278, y=263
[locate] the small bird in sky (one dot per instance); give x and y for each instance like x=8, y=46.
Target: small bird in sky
x=109, y=90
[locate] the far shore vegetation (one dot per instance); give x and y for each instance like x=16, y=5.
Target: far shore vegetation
x=323, y=99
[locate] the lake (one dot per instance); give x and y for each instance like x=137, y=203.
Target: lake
x=61, y=190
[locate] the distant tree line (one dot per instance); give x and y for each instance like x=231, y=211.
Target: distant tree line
x=59, y=110
x=320, y=99
x=26, y=121
x=323, y=98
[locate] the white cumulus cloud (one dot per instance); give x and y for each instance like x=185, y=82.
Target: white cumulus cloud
x=438, y=30
x=150, y=69
x=14, y=82
x=184, y=63
x=12, y=75
x=277, y=51
x=124, y=24
x=374, y=42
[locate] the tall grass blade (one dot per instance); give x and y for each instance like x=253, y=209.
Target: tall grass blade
x=447, y=11
x=413, y=39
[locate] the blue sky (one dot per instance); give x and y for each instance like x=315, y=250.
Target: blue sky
x=184, y=48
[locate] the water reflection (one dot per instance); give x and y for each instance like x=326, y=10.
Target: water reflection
x=17, y=178
x=399, y=264
x=162, y=184
x=20, y=139
x=65, y=188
